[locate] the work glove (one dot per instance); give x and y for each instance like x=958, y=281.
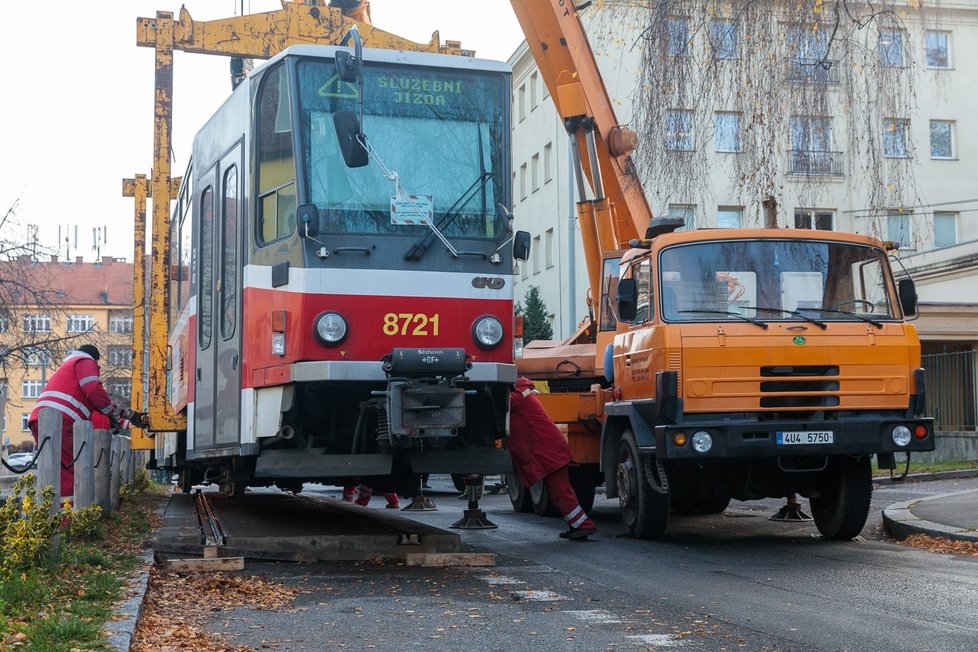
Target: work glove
x=139, y=419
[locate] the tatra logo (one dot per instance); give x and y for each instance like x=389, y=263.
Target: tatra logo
x=491, y=282
x=798, y=339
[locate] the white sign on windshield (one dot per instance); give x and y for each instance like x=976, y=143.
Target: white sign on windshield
x=412, y=209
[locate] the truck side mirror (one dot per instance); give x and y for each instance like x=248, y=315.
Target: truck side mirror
x=627, y=299
x=351, y=139
x=908, y=296
x=308, y=216
x=521, y=246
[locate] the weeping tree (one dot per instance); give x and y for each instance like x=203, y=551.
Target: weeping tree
x=769, y=79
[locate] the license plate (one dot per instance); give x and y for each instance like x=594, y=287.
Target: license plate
x=805, y=437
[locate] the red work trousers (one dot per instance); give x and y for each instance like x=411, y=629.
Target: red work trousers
x=67, y=454
x=565, y=500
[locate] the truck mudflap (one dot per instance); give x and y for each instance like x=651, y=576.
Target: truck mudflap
x=693, y=440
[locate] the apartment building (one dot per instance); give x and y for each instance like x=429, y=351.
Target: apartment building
x=58, y=306
x=825, y=166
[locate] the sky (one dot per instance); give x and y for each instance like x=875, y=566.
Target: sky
x=76, y=102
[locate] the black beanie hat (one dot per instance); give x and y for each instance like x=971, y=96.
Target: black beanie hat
x=90, y=350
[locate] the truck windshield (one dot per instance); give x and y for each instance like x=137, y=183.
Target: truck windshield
x=441, y=130
x=827, y=281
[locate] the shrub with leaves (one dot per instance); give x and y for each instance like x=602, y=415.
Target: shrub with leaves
x=27, y=526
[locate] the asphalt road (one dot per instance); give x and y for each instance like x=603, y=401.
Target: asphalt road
x=734, y=581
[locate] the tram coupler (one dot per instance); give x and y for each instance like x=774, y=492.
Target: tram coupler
x=473, y=518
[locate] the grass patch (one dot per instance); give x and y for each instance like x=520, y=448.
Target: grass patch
x=64, y=602
x=928, y=467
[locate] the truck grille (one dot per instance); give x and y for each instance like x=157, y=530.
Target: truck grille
x=793, y=380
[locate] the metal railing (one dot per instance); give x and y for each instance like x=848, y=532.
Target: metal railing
x=812, y=70
x=952, y=390
x=809, y=163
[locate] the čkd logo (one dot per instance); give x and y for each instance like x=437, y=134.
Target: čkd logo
x=491, y=282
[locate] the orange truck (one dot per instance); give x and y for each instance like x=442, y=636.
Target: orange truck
x=717, y=364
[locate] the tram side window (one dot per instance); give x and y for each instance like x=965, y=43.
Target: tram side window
x=206, y=267
x=276, y=159
x=229, y=266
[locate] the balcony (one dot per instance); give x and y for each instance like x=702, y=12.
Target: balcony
x=809, y=163
x=812, y=71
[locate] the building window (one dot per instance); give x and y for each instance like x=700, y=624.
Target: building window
x=677, y=37
x=537, y=254
x=118, y=389
x=898, y=229
x=534, y=83
x=549, y=246
x=937, y=45
x=31, y=389
x=806, y=218
x=4, y=324
x=548, y=172
x=679, y=130
x=120, y=356
x=80, y=323
x=522, y=102
x=723, y=39
x=535, y=172
x=945, y=229
x=941, y=139
x=809, y=49
x=120, y=321
x=24, y=418
x=37, y=323
x=36, y=357
x=895, y=137
x=811, y=147
x=891, y=48
x=726, y=132
x=687, y=212
x=730, y=217
x=523, y=181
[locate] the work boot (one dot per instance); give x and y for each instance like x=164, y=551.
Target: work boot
x=393, y=502
x=349, y=494
x=578, y=533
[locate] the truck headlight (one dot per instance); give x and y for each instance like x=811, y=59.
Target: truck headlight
x=330, y=328
x=702, y=441
x=901, y=435
x=487, y=331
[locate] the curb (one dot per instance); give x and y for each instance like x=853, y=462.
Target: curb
x=900, y=522
x=127, y=612
x=927, y=477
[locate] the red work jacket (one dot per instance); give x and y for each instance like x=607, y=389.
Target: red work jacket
x=76, y=391
x=538, y=448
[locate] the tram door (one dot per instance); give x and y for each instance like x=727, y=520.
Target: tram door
x=217, y=410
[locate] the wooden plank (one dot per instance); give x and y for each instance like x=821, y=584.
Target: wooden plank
x=445, y=559
x=205, y=565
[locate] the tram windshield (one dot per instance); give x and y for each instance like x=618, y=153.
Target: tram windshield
x=440, y=132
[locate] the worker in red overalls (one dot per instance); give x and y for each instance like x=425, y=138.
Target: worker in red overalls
x=362, y=494
x=540, y=453
x=75, y=390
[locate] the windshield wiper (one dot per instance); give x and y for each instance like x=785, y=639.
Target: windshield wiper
x=874, y=322
x=757, y=322
x=418, y=248
x=820, y=324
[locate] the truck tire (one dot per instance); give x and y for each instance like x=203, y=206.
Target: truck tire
x=540, y=499
x=519, y=496
x=841, y=510
x=644, y=510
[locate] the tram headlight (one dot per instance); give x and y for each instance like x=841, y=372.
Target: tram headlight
x=330, y=328
x=487, y=331
x=901, y=436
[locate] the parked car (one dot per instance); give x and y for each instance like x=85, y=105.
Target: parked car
x=20, y=460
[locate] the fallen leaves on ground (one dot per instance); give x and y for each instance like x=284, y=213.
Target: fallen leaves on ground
x=177, y=607
x=943, y=546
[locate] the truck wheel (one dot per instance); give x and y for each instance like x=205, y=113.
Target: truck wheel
x=841, y=510
x=540, y=498
x=583, y=484
x=644, y=510
x=519, y=496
